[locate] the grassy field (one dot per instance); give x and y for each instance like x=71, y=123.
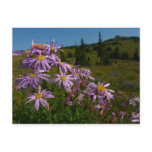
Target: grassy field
x=125, y=44
x=123, y=75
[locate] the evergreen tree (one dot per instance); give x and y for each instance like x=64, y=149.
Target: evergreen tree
x=87, y=50
x=125, y=56
x=69, y=55
x=103, y=54
x=81, y=54
x=62, y=57
x=100, y=50
x=116, y=53
x=106, y=57
x=136, y=56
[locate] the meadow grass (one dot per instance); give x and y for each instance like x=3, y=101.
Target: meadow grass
x=123, y=75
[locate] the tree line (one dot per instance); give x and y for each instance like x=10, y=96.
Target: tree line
x=104, y=54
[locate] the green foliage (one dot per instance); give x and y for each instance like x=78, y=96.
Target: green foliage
x=100, y=48
x=136, y=56
x=69, y=55
x=122, y=75
x=125, y=44
x=125, y=56
x=81, y=54
x=62, y=56
x=116, y=54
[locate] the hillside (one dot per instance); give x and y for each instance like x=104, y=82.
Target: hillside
x=125, y=45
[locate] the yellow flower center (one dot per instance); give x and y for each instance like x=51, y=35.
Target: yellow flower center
x=33, y=45
x=71, y=65
x=63, y=78
x=138, y=117
x=101, y=88
x=42, y=45
x=101, y=106
x=38, y=46
x=68, y=91
x=76, y=74
x=39, y=95
x=32, y=75
x=27, y=51
x=60, y=63
x=83, y=68
x=52, y=48
x=40, y=58
x=78, y=97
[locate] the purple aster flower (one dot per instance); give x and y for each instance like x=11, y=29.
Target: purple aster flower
x=95, y=96
x=42, y=62
x=64, y=66
x=99, y=91
x=77, y=87
x=122, y=114
x=52, y=48
x=65, y=80
x=80, y=97
x=124, y=104
x=36, y=48
x=80, y=82
x=32, y=79
x=83, y=81
x=72, y=93
x=101, y=105
x=76, y=73
x=134, y=101
x=135, y=117
x=28, y=53
x=90, y=78
x=104, y=91
x=73, y=66
x=39, y=98
x=68, y=102
x=86, y=71
x=91, y=85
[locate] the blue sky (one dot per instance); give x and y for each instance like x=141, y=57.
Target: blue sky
x=22, y=37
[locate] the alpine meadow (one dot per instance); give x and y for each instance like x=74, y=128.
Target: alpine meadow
x=94, y=83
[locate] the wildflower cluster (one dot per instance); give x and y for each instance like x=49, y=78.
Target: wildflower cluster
x=79, y=85
x=134, y=114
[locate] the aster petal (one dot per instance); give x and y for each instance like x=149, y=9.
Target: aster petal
x=44, y=103
x=106, y=85
x=18, y=53
x=39, y=89
x=36, y=106
x=47, y=64
x=44, y=78
x=32, y=97
x=56, y=79
x=59, y=84
x=43, y=65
